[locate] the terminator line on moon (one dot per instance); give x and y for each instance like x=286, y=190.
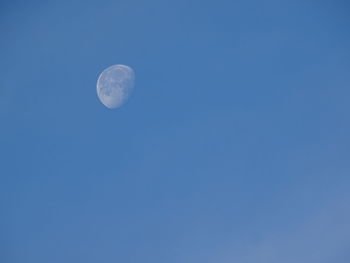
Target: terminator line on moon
x=114, y=85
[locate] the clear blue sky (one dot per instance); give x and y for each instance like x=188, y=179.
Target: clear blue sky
x=234, y=146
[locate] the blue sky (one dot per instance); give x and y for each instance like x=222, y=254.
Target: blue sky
x=234, y=146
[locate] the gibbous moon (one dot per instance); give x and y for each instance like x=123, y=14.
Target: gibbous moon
x=114, y=85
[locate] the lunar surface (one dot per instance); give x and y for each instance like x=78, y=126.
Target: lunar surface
x=114, y=85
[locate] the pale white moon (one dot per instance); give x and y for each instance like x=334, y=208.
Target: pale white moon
x=114, y=85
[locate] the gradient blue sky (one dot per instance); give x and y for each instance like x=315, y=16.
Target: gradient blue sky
x=234, y=146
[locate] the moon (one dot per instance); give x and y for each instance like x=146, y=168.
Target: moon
x=114, y=85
